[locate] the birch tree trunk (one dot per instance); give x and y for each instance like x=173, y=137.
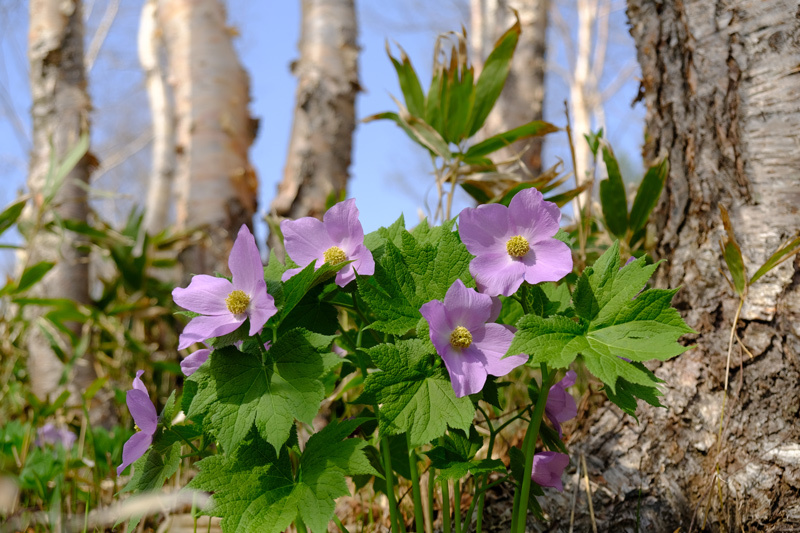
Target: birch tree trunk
x=522, y=98
x=215, y=184
x=317, y=165
x=60, y=116
x=162, y=110
x=722, y=90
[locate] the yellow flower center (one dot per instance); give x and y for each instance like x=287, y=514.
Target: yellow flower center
x=517, y=246
x=237, y=302
x=334, y=255
x=460, y=337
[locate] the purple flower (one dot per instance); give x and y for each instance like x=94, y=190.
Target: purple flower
x=144, y=416
x=560, y=405
x=547, y=469
x=515, y=243
x=50, y=434
x=470, y=347
x=226, y=305
x=338, y=238
x=194, y=360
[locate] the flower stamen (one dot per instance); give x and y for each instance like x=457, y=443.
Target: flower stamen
x=517, y=246
x=237, y=302
x=334, y=255
x=460, y=337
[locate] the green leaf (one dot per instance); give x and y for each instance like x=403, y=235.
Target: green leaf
x=32, y=274
x=59, y=171
x=613, y=198
x=154, y=468
x=409, y=82
x=236, y=390
x=11, y=213
x=376, y=241
x=421, y=269
x=549, y=340
x=416, y=397
x=492, y=144
x=780, y=255
x=296, y=287
x=459, y=95
x=455, y=458
x=615, y=319
x=648, y=194
x=256, y=491
x=733, y=254
x=593, y=139
x=493, y=77
x=626, y=394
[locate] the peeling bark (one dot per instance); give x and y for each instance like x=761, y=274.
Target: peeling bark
x=60, y=115
x=722, y=90
x=215, y=184
x=523, y=94
x=318, y=161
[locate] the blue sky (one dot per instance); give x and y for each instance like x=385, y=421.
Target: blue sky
x=390, y=174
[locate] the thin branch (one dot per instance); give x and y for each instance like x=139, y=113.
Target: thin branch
x=100, y=35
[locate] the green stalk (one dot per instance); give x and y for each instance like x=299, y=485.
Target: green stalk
x=387, y=467
x=530, y=449
x=301, y=527
x=445, y=506
x=412, y=463
x=457, y=505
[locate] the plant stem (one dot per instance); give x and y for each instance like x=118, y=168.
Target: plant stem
x=457, y=505
x=340, y=525
x=301, y=527
x=530, y=449
x=387, y=467
x=445, y=506
x=415, y=490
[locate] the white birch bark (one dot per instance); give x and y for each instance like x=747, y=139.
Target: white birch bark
x=159, y=190
x=215, y=184
x=318, y=161
x=60, y=116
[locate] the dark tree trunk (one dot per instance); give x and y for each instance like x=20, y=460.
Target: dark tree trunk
x=722, y=87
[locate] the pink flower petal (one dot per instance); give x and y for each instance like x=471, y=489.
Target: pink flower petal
x=497, y=273
x=137, y=382
x=493, y=341
x=363, y=263
x=205, y=295
x=466, y=369
x=548, y=260
x=142, y=410
x=485, y=229
x=194, y=360
x=245, y=263
x=548, y=468
x=532, y=217
x=206, y=327
x=289, y=273
x=262, y=307
x=439, y=325
x=342, y=224
x=136, y=446
x=467, y=307
x=305, y=240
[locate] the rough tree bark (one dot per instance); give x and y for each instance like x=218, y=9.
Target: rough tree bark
x=522, y=98
x=162, y=110
x=60, y=116
x=324, y=115
x=722, y=88
x=215, y=184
